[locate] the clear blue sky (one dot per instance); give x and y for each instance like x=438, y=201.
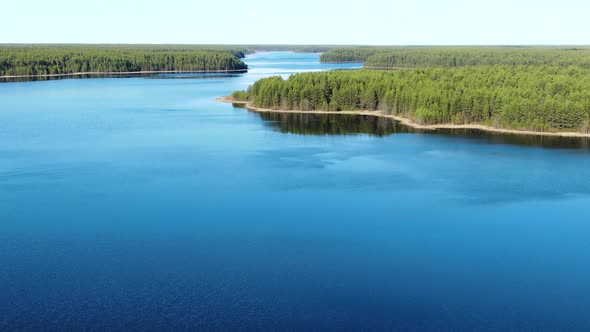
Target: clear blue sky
x=376, y=22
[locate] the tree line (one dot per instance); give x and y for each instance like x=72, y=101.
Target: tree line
x=417, y=57
x=50, y=59
x=349, y=54
x=66, y=59
x=539, y=97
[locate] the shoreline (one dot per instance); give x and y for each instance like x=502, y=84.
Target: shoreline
x=410, y=123
x=130, y=73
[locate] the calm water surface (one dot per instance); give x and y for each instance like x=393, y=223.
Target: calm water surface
x=144, y=204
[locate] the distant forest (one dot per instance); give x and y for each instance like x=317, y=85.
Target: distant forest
x=418, y=57
x=67, y=59
x=56, y=59
x=349, y=54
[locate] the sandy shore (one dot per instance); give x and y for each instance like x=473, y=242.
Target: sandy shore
x=130, y=73
x=410, y=123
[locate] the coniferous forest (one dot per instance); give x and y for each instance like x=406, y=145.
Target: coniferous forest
x=30, y=60
x=532, y=88
x=58, y=59
x=349, y=54
x=538, y=98
x=459, y=56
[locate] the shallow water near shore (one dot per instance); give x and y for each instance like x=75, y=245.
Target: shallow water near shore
x=141, y=203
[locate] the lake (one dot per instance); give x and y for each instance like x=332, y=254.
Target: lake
x=141, y=203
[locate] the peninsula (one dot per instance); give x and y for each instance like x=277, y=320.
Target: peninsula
x=532, y=91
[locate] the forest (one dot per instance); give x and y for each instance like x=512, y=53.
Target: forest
x=533, y=97
x=459, y=56
x=55, y=59
x=17, y=60
x=349, y=54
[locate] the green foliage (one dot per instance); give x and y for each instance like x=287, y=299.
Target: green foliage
x=478, y=56
x=67, y=59
x=425, y=115
x=523, y=97
x=348, y=54
x=460, y=56
x=240, y=95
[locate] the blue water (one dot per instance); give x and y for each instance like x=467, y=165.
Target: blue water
x=144, y=204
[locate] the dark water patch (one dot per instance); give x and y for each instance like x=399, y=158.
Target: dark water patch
x=552, y=142
x=333, y=124
x=346, y=124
